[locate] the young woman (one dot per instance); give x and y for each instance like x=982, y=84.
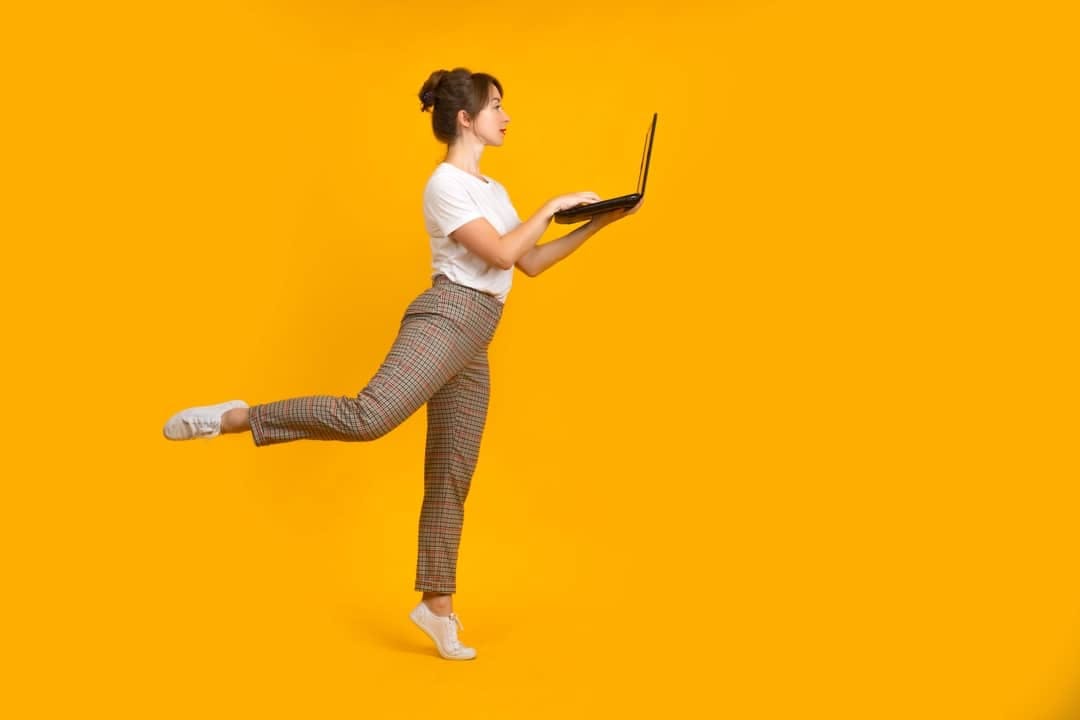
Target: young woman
x=440, y=354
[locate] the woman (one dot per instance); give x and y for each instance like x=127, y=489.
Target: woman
x=440, y=354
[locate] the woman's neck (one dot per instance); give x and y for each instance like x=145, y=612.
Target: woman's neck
x=465, y=157
x=476, y=175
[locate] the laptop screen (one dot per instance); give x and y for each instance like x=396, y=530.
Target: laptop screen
x=646, y=155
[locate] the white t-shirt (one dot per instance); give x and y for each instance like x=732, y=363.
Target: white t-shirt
x=453, y=197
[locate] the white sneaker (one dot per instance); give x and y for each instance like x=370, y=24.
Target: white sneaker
x=199, y=422
x=443, y=630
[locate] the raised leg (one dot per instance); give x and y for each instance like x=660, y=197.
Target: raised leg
x=429, y=350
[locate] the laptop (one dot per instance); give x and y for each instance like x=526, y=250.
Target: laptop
x=588, y=210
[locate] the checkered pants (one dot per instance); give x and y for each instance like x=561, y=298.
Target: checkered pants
x=438, y=358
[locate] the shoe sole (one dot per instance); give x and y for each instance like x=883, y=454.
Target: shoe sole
x=437, y=647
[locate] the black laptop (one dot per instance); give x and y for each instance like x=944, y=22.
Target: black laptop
x=588, y=210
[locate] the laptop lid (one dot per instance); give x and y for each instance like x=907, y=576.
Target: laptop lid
x=587, y=210
x=646, y=156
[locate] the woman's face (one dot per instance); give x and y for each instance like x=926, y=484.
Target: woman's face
x=490, y=123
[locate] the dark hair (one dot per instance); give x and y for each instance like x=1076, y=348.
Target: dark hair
x=448, y=91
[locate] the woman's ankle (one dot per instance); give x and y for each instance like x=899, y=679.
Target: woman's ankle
x=235, y=421
x=439, y=603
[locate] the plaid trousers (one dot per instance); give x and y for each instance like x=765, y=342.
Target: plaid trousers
x=439, y=358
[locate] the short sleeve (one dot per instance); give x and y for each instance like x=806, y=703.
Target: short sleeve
x=447, y=205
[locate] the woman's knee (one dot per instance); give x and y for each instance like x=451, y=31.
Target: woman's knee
x=368, y=433
x=368, y=420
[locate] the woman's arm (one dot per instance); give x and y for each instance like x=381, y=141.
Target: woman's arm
x=482, y=239
x=542, y=257
x=505, y=251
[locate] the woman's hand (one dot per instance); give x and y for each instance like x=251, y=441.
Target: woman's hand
x=610, y=217
x=565, y=202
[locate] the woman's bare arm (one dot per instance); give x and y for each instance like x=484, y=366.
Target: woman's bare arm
x=482, y=239
x=542, y=257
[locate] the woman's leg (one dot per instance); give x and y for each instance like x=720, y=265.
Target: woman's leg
x=430, y=349
x=455, y=424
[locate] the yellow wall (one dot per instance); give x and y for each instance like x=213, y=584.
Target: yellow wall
x=796, y=440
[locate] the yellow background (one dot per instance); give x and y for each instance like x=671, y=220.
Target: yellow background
x=796, y=440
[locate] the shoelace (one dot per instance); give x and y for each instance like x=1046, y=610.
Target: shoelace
x=201, y=425
x=454, y=644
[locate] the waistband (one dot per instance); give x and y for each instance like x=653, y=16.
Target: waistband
x=475, y=311
x=441, y=279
